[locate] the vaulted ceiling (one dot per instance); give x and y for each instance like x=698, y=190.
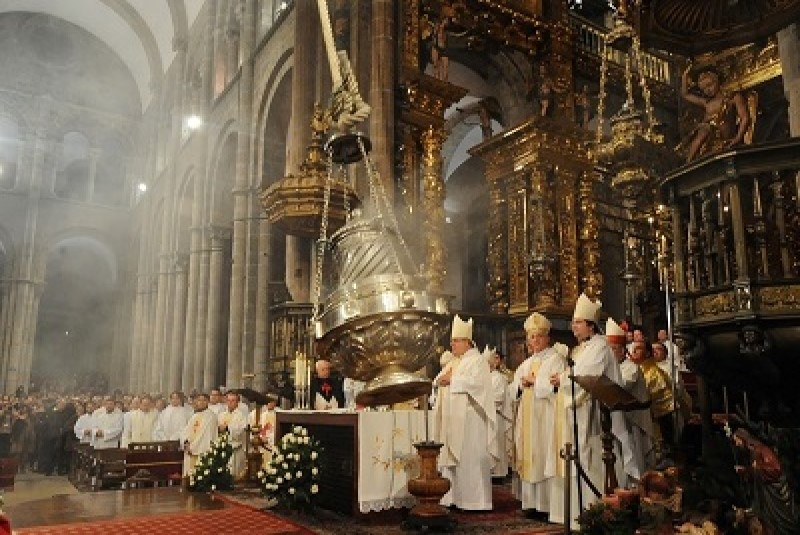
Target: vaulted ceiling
x=140, y=32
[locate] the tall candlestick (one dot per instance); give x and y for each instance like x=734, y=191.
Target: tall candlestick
x=756, y=198
x=426, y=419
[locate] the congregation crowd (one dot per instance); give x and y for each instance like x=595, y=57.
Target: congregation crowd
x=42, y=429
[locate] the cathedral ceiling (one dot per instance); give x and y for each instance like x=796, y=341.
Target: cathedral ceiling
x=140, y=32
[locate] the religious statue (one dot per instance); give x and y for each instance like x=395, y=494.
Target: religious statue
x=583, y=107
x=771, y=497
x=544, y=94
x=726, y=118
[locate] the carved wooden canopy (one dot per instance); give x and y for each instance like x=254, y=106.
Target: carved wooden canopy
x=691, y=27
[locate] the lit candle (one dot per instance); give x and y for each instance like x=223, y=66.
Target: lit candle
x=756, y=198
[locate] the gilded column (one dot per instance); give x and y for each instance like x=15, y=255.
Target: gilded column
x=433, y=207
x=591, y=278
x=218, y=237
x=540, y=232
x=568, y=237
x=497, y=285
x=381, y=90
x=178, y=323
x=517, y=195
x=789, y=48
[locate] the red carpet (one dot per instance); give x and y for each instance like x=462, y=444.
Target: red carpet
x=233, y=519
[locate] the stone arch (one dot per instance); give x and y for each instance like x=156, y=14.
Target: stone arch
x=221, y=186
x=182, y=214
x=75, y=323
x=279, y=75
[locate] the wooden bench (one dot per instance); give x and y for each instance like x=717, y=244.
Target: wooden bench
x=164, y=445
x=81, y=463
x=108, y=467
x=145, y=467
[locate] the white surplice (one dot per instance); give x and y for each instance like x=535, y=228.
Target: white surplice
x=465, y=422
x=237, y=429
x=537, y=447
x=502, y=407
x=106, y=429
x=266, y=430
x=142, y=425
x=639, y=424
x=171, y=422
x=84, y=424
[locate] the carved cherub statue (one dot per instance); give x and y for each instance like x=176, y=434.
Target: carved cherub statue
x=726, y=118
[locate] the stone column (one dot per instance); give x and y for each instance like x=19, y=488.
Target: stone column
x=94, y=157
x=789, y=48
x=241, y=198
x=149, y=341
x=218, y=236
x=134, y=379
x=159, y=348
x=433, y=207
x=178, y=323
x=298, y=271
x=19, y=350
x=381, y=90
x=263, y=318
x=199, y=356
x=189, y=345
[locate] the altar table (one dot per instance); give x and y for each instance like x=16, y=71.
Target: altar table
x=368, y=456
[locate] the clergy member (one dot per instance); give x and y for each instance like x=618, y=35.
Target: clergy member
x=659, y=387
x=536, y=454
x=216, y=402
x=502, y=406
x=234, y=422
x=327, y=392
x=198, y=434
x=592, y=357
x=465, y=422
x=128, y=408
x=143, y=421
x=83, y=427
x=172, y=420
x=265, y=427
x=639, y=423
x=107, y=426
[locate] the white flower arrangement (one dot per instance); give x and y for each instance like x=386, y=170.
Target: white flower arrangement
x=292, y=476
x=211, y=471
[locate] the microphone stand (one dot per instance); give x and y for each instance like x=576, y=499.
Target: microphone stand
x=579, y=468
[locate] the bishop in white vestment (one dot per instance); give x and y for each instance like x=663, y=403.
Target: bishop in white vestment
x=592, y=357
x=198, y=434
x=465, y=422
x=536, y=456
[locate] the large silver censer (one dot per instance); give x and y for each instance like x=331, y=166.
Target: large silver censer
x=380, y=324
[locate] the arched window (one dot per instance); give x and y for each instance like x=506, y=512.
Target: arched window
x=9, y=150
x=72, y=179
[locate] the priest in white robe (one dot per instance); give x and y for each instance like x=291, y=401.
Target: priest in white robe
x=536, y=453
x=143, y=421
x=106, y=426
x=264, y=424
x=234, y=422
x=198, y=434
x=592, y=357
x=639, y=423
x=502, y=406
x=465, y=422
x=128, y=410
x=173, y=419
x=83, y=426
x=216, y=402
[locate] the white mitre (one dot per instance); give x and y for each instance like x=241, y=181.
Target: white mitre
x=461, y=328
x=537, y=324
x=586, y=309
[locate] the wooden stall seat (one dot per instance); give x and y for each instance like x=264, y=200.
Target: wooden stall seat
x=145, y=467
x=108, y=468
x=8, y=471
x=165, y=445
